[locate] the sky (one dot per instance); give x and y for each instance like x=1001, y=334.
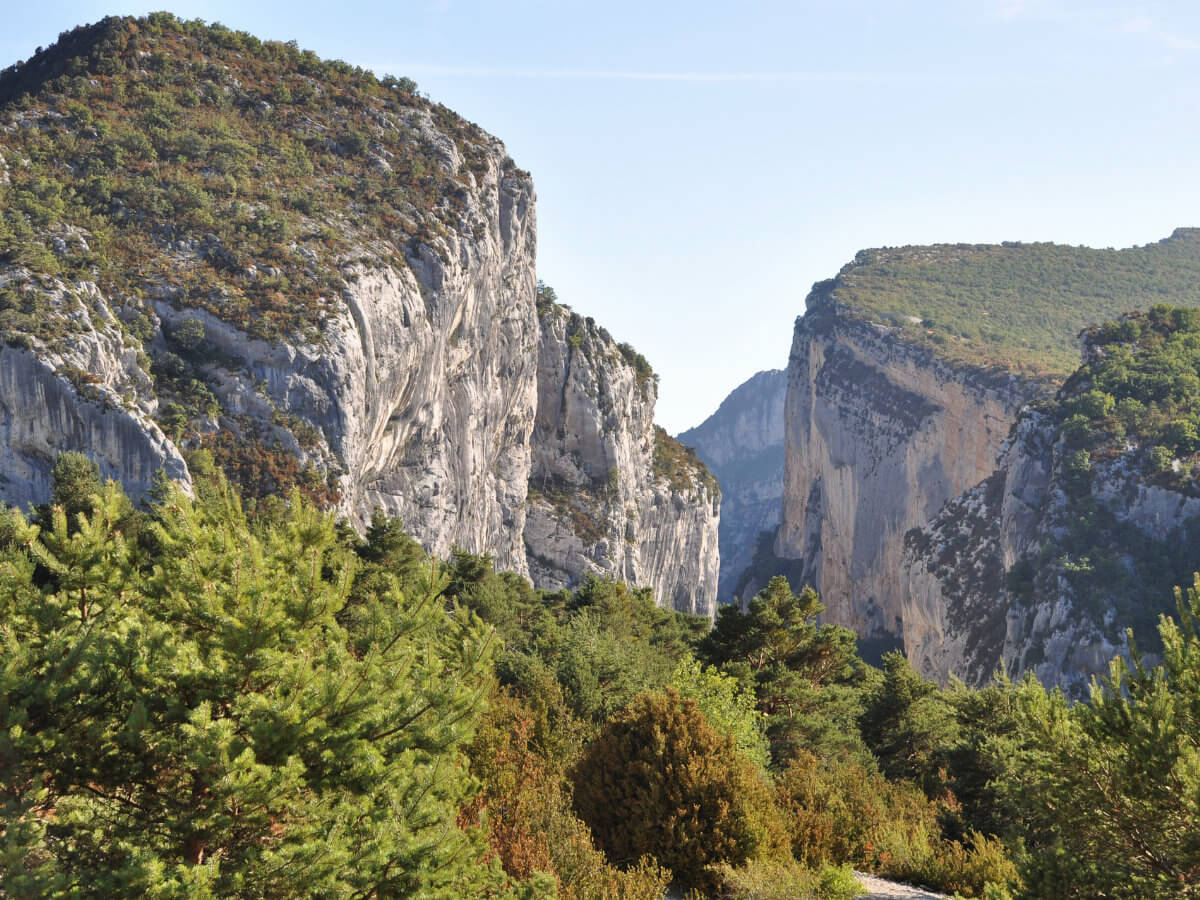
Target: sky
x=699, y=165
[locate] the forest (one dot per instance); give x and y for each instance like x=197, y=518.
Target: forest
x=205, y=697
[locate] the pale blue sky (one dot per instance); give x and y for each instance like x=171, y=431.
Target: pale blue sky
x=699, y=165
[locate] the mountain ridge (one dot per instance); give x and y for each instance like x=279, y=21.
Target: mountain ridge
x=209, y=241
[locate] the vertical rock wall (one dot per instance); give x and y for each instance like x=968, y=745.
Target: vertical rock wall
x=91, y=395
x=879, y=435
x=597, y=505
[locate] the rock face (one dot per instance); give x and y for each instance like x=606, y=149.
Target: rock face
x=879, y=435
x=366, y=329
x=421, y=394
x=988, y=586
x=742, y=444
x=89, y=395
x=603, y=499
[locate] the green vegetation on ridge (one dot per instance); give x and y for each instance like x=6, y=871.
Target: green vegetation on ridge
x=197, y=163
x=1132, y=410
x=1014, y=306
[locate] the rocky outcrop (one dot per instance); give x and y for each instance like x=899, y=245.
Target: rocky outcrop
x=89, y=393
x=407, y=373
x=609, y=495
x=879, y=435
x=991, y=581
x=742, y=444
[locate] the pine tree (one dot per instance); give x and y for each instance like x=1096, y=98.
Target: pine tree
x=800, y=670
x=909, y=725
x=222, y=722
x=1109, y=790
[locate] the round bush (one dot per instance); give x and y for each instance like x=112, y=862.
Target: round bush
x=660, y=780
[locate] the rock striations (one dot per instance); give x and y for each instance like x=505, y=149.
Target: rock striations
x=88, y=393
x=603, y=497
x=329, y=283
x=880, y=434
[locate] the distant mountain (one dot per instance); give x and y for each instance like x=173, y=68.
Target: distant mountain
x=742, y=443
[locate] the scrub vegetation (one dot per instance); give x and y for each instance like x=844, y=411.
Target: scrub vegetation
x=1013, y=307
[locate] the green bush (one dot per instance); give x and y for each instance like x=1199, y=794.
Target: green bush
x=659, y=780
x=786, y=880
x=1107, y=792
x=839, y=812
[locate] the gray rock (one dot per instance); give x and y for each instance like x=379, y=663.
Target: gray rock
x=962, y=617
x=742, y=443
x=596, y=506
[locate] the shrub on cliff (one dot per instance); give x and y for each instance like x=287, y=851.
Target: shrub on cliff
x=660, y=780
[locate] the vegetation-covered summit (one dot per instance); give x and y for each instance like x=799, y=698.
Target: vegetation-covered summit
x=1016, y=306
x=185, y=160
x=1130, y=415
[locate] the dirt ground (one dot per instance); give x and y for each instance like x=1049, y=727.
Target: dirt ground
x=879, y=889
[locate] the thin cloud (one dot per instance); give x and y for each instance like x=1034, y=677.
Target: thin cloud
x=545, y=74
x=1147, y=27
x=1113, y=19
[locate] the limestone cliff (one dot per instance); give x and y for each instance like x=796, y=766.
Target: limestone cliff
x=88, y=393
x=609, y=494
x=926, y=507
x=742, y=444
x=993, y=581
x=419, y=397
x=879, y=434
x=325, y=280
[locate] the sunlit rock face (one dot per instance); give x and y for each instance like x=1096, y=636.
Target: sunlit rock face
x=603, y=501
x=879, y=435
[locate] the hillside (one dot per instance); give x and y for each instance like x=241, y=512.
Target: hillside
x=209, y=241
x=244, y=173
x=1018, y=307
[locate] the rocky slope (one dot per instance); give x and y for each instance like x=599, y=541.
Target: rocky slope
x=89, y=392
x=1077, y=537
x=208, y=241
x=742, y=444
